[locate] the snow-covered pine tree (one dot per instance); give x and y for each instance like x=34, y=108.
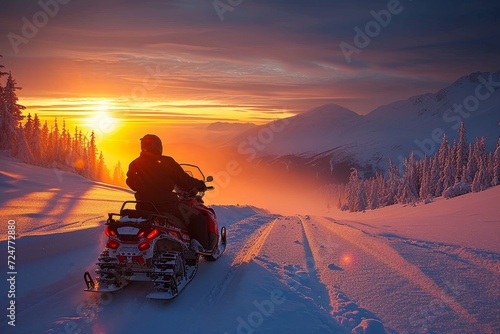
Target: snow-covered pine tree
x=53, y=145
x=391, y=189
x=443, y=153
x=100, y=172
x=452, y=160
x=21, y=149
x=44, y=142
x=352, y=189
x=372, y=193
x=490, y=168
x=28, y=127
x=480, y=179
x=434, y=184
x=361, y=201
x=119, y=176
x=381, y=187
x=480, y=182
x=91, y=165
x=449, y=174
x=65, y=146
x=11, y=114
x=480, y=150
x=425, y=172
x=408, y=192
x=496, y=165
x=471, y=169
x=34, y=142
x=83, y=162
x=76, y=150
x=462, y=153
x=1, y=98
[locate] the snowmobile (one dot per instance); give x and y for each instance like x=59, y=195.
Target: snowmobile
x=147, y=246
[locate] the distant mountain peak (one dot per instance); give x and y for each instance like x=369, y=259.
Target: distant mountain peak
x=227, y=126
x=435, y=104
x=330, y=111
x=475, y=77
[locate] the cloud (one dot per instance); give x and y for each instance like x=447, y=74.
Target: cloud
x=271, y=54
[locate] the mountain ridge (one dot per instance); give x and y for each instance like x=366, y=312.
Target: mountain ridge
x=391, y=131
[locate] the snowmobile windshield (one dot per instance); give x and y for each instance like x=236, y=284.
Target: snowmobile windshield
x=193, y=171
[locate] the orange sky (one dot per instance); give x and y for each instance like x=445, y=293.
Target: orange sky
x=150, y=65
x=118, y=123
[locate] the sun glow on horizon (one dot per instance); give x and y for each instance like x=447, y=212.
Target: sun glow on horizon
x=102, y=121
x=78, y=111
x=119, y=122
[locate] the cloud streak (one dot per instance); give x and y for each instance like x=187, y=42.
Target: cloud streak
x=267, y=55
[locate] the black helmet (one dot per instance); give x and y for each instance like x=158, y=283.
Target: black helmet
x=151, y=143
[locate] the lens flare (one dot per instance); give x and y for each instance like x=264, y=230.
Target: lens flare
x=346, y=259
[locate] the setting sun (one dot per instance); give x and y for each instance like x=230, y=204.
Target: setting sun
x=102, y=120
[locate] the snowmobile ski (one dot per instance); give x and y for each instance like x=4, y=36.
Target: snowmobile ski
x=219, y=250
x=93, y=286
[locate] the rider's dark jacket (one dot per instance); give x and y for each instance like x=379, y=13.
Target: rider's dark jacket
x=153, y=178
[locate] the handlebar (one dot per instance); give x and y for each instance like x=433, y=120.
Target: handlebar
x=203, y=178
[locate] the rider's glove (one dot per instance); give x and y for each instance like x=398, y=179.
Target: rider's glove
x=203, y=186
x=193, y=192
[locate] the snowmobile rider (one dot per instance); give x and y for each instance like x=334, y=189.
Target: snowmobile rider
x=153, y=177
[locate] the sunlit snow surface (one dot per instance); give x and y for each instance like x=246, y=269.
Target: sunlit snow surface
x=48, y=200
x=426, y=269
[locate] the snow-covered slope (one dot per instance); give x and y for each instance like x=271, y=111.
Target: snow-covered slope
x=391, y=271
x=390, y=131
x=48, y=200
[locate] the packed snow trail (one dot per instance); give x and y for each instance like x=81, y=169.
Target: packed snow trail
x=249, y=250
x=296, y=274
x=394, y=279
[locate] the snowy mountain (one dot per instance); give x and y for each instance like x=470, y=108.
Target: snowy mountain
x=330, y=136
x=434, y=271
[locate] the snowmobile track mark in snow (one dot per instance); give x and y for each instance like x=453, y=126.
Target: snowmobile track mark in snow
x=251, y=248
x=319, y=289
x=254, y=244
x=389, y=257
